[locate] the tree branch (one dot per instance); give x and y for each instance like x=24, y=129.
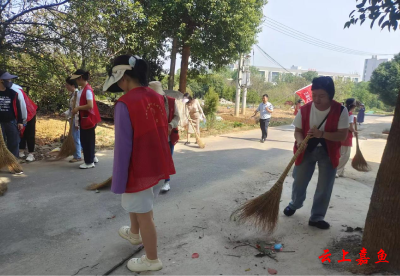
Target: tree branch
x=34, y=9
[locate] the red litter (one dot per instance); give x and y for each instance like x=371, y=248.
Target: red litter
x=195, y=255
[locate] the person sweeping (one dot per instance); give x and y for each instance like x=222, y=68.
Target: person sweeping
x=347, y=144
x=89, y=117
x=75, y=96
x=323, y=149
x=194, y=114
x=142, y=156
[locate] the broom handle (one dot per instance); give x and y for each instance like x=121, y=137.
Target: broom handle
x=355, y=126
x=195, y=131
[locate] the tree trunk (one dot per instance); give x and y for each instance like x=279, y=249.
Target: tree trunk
x=184, y=68
x=171, y=79
x=382, y=227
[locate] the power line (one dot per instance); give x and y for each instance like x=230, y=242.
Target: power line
x=283, y=29
x=272, y=59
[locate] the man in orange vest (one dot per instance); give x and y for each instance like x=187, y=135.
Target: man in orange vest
x=327, y=121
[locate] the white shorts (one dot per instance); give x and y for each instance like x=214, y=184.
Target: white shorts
x=141, y=202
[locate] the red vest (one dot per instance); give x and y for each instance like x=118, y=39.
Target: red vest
x=331, y=126
x=31, y=107
x=349, y=140
x=174, y=136
x=151, y=159
x=88, y=118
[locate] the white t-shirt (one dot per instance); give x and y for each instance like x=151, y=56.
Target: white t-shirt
x=264, y=114
x=89, y=95
x=317, y=116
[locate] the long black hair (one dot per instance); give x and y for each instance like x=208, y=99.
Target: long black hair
x=139, y=72
x=350, y=103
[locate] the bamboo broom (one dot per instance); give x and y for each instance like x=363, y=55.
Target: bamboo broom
x=7, y=158
x=96, y=186
x=200, y=142
x=68, y=147
x=263, y=210
x=359, y=162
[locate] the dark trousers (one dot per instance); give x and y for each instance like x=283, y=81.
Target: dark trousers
x=29, y=136
x=264, y=123
x=171, y=147
x=11, y=136
x=88, y=143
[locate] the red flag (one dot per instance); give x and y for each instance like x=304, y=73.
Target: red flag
x=305, y=94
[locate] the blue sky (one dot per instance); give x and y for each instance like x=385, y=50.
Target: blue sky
x=322, y=19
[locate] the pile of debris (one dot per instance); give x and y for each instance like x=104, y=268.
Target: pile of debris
x=106, y=111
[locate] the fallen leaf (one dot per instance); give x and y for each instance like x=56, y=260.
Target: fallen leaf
x=272, y=271
x=111, y=217
x=248, y=269
x=195, y=255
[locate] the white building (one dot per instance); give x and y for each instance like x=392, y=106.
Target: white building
x=272, y=73
x=370, y=65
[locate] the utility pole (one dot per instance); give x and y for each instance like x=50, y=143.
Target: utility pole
x=238, y=87
x=246, y=81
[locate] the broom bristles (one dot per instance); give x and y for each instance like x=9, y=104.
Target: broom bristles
x=68, y=147
x=263, y=210
x=200, y=142
x=96, y=186
x=3, y=188
x=359, y=163
x=7, y=158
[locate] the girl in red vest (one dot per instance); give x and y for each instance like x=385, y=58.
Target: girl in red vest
x=348, y=143
x=327, y=121
x=89, y=117
x=142, y=156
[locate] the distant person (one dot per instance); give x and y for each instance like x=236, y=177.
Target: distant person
x=10, y=113
x=172, y=113
x=265, y=108
x=72, y=87
x=361, y=115
x=142, y=158
x=297, y=107
x=28, y=134
x=194, y=113
x=89, y=117
x=345, y=150
x=331, y=121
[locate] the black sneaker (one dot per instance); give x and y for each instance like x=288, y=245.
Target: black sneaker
x=322, y=224
x=289, y=212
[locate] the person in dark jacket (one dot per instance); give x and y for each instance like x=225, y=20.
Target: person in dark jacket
x=10, y=113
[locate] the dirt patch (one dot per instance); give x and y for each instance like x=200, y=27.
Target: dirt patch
x=352, y=245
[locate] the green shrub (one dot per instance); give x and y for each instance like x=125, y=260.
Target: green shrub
x=211, y=101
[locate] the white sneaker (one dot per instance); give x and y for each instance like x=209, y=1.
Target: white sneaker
x=144, y=264
x=337, y=176
x=30, y=157
x=125, y=233
x=87, y=166
x=21, y=154
x=166, y=187
x=96, y=160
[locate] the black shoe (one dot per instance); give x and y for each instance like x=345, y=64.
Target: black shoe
x=322, y=224
x=289, y=212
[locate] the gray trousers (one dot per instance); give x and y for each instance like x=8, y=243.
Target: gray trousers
x=302, y=175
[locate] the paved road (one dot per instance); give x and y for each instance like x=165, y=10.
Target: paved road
x=51, y=225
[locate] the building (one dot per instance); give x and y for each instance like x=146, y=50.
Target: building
x=271, y=74
x=370, y=65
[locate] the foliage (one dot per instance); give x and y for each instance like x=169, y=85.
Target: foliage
x=385, y=81
x=211, y=101
x=387, y=10
x=310, y=75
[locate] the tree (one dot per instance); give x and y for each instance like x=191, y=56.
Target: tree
x=362, y=94
x=383, y=219
x=211, y=101
x=310, y=75
x=385, y=81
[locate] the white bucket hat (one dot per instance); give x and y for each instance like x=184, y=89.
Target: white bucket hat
x=116, y=74
x=156, y=86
